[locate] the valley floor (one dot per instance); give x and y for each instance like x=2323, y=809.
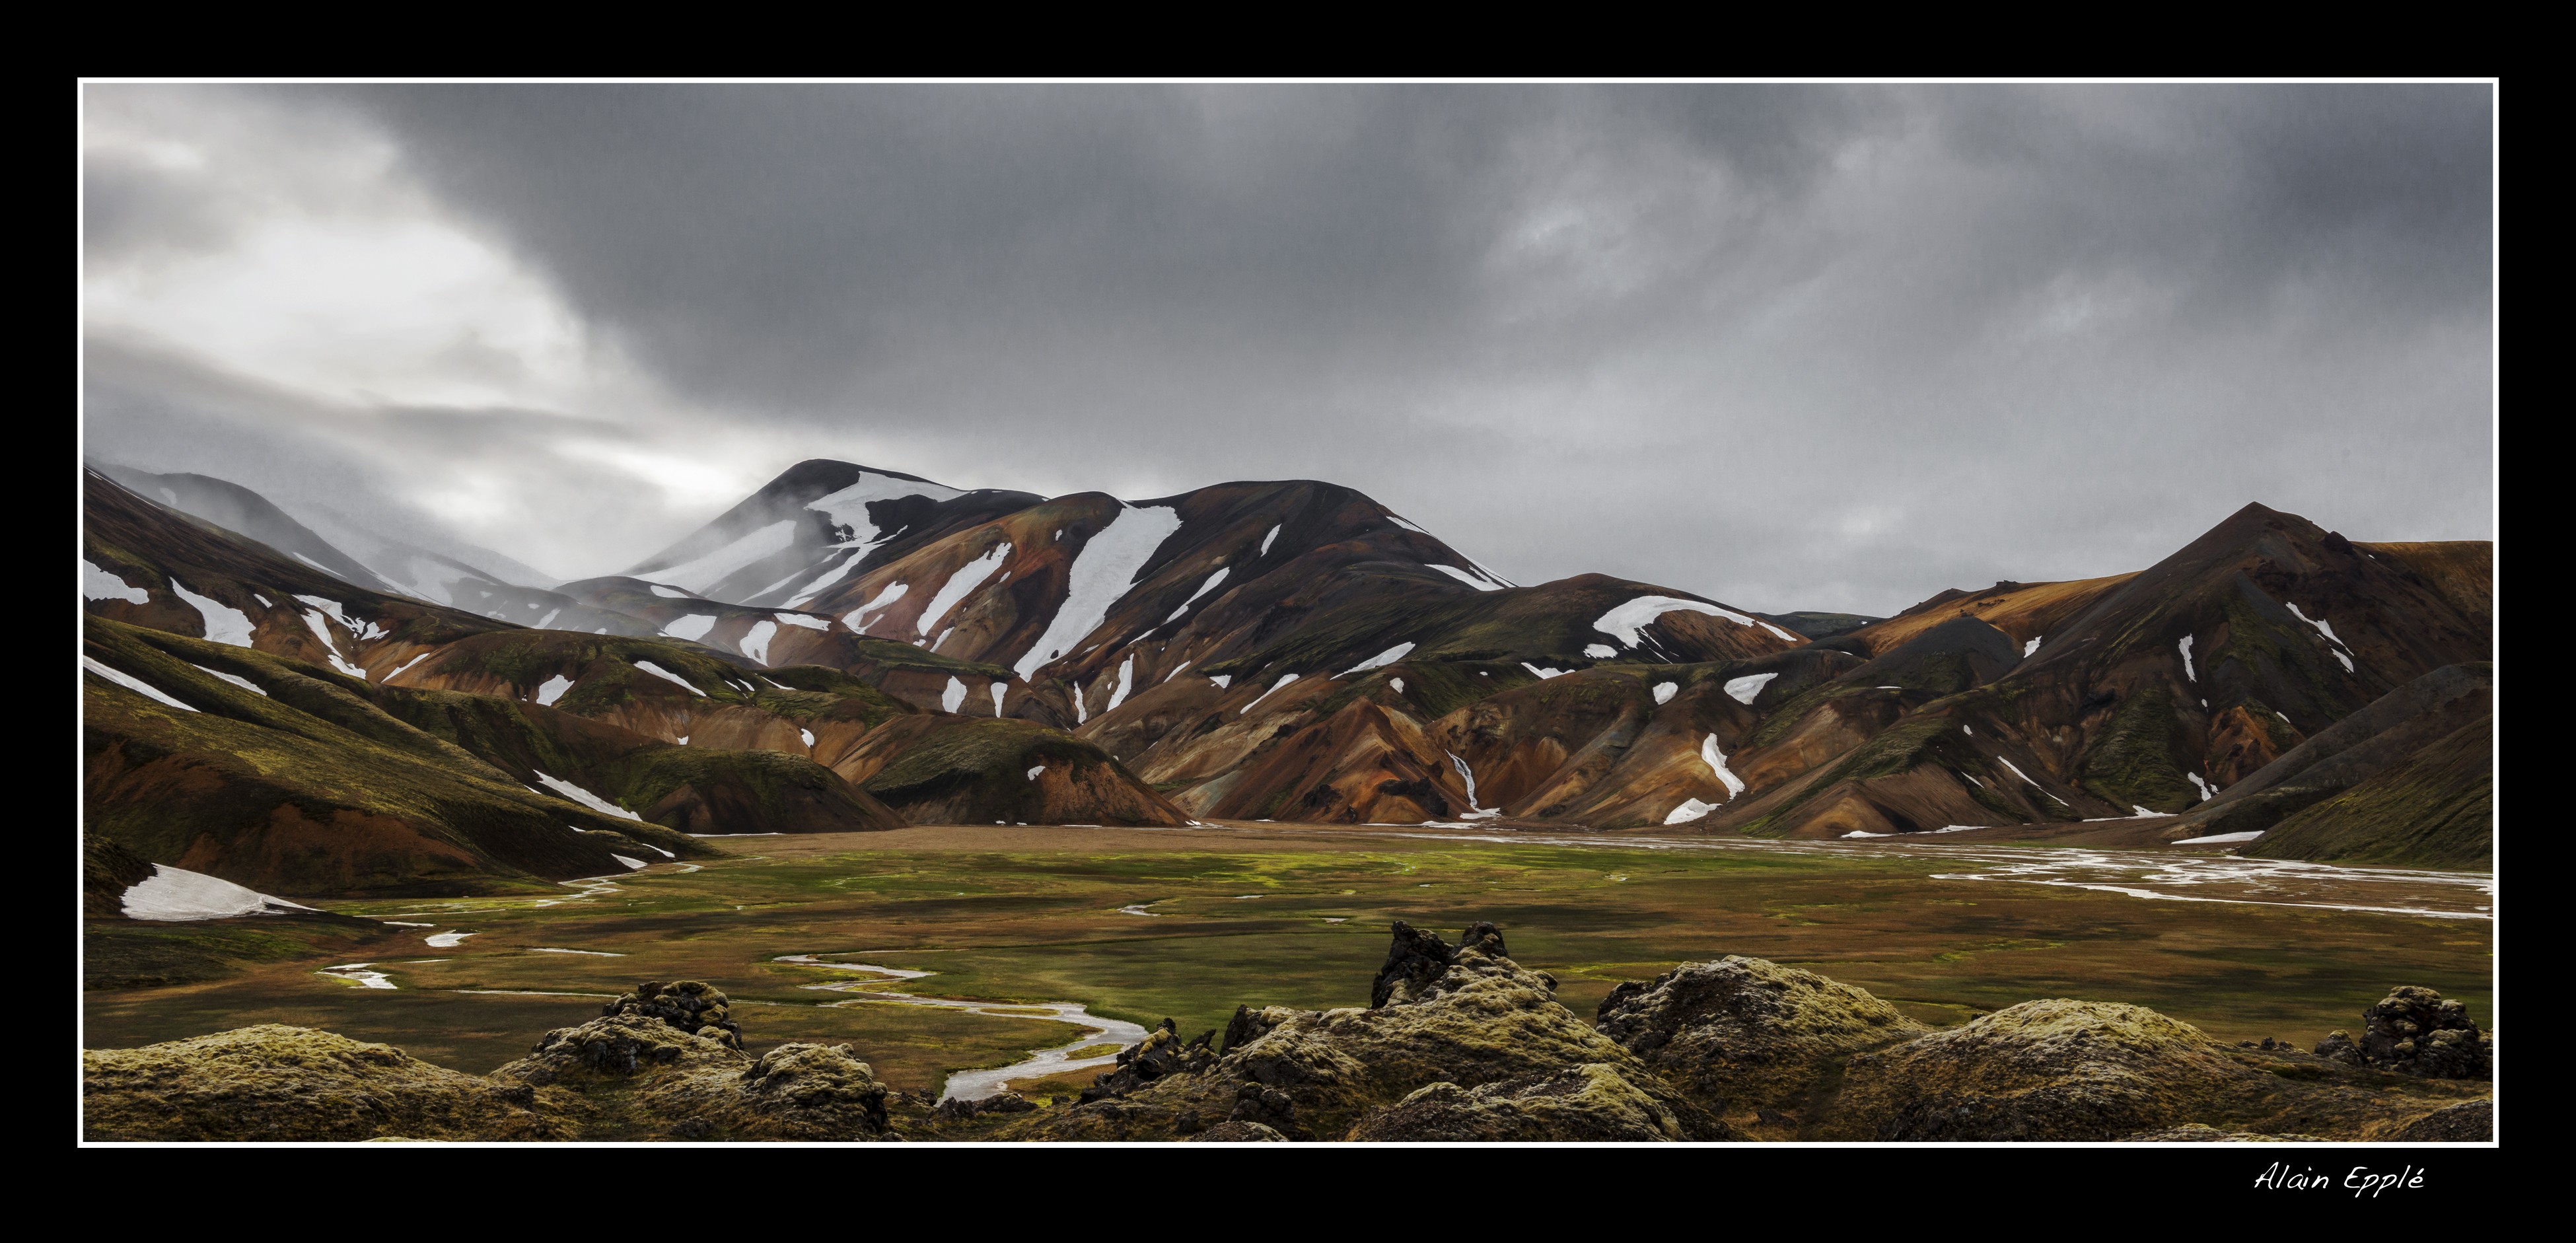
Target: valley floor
x=1138, y=925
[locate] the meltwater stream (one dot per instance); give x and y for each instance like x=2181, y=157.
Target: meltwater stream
x=2168, y=876
x=975, y=1085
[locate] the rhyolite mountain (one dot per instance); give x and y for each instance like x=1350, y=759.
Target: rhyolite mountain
x=1297, y=651
x=251, y=718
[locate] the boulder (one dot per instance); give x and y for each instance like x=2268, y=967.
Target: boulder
x=692, y=1006
x=1596, y=1101
x=1743, y=1033
x=274, y=1082
x=2414, y=1031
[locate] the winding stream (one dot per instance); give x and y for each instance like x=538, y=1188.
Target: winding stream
x=975, y=1085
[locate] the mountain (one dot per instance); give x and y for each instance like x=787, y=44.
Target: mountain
x=236, y=508
x=345, y=547
x=252, y=719
x=1296, y=650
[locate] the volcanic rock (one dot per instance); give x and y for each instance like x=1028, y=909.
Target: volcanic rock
x=274, y=1082
x=1595, y=1101
x=2413, y=1031
x=1745, y=1033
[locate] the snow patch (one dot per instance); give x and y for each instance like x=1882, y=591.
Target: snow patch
x=849, y=506
x=1034, y=770
x=98, y=584
x=827, y=581
x=660, y=672
x=1126, y=682
x=857, y=618
x=691, y=626
x=1716, y=761
x=1748, y=688
x=999, y=689
x=2216, y=838
x=1464, y=577
x=398, y=669
x=2206, y=790
x=1691, y=809
x=2187, y=670
x=553, y=689
x=234, y=678
x=223, y=623
x=1099, y=576
x=755, y=641
x=1284, y=679
x=586, y=798
x=1204, y=588
x=1265, y=541
x=967, y=578
x=1543, y=674
x=1387, y=657
x=1664, y=691
x=322, y=633
x=1624, y=622
x=174, y=895
x=1397, y=683
x=807, y=620
x=950, y=698
x=130, y=682
x=1222, y=680
x=1600, y=651
x=2032, y=646
x=637, y=864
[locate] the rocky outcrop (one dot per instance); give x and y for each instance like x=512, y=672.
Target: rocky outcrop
x=1596, y=1102
x=280, y=1083
x=1158, y=1055
x=692, y=1006
x=2041, y=1070
x=635, y=1074
x=1461, y=1014
x=1745, y=1034
x=2414, y=1031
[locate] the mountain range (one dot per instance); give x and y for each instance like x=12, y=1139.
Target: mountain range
x=853, y=648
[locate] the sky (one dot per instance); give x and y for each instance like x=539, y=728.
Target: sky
x=1786, y=346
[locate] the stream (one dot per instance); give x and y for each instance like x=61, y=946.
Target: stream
x=975, y=1085
x=2145, y=874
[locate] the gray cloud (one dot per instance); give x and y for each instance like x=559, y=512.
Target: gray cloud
x=1788, y=346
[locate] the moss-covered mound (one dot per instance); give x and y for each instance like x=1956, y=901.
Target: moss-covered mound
x=1741, y=1034
x=1594, y=1102
x=292, y=1083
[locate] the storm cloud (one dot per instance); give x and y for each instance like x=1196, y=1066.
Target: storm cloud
x=1787, y=346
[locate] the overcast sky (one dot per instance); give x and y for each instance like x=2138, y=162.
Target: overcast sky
x=1789, y=347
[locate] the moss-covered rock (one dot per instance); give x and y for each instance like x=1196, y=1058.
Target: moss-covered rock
x=273, y=1082
x=2041, y=1070
x=1741, y=1034
x=1594, y=1102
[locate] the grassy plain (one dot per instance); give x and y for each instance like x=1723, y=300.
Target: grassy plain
x=1265, y=915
